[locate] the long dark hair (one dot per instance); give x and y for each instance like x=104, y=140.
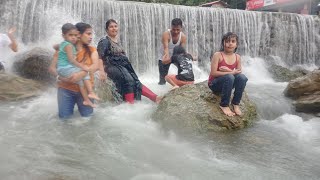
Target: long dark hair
x=82, y=27
x=227, y=37
x=109, y=22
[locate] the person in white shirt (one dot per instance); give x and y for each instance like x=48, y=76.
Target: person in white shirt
x=7, y=41
x=171, y=38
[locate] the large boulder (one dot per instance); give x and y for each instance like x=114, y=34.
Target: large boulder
x=196, y=108
x=282, y=74
x=15, y=88
x=306, y=92
x=34, y=64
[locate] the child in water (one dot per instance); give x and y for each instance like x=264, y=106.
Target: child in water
x=68, y=65
x=183, y=61
x=226, y=74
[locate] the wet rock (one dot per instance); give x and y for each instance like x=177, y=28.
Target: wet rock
x=306, y=92
x=282, y=74
x=107, y=91
x=34, y=64
x=15, y=88
x=195, y=108
x=309, y=103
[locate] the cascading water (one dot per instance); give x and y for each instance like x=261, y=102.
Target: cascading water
x=122, y=142
x=294, y=38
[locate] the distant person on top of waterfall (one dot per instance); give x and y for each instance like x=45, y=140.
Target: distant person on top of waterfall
x=7, y=41
x=118, y=67
x=171, y=38
x=183, y=61
x=226, y=74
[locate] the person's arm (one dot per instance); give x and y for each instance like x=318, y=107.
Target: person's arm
x=95, y=62
x=239, y=67
x=56, y=47
x=165, y=43
x=102, y=73
x=53, y=68
x=183, y=42
x=72, y=59
x=214, y=66
x=166, y=59
x=72, y=79
x=13, y=45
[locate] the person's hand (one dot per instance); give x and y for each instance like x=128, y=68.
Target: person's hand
x=236, y=71
x=224, y=69
x=102, y=75
x=86, y=68
x=165, y=57
x=75, y=77
x=11, y=31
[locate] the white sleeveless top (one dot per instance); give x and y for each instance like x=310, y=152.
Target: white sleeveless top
x=170, y=46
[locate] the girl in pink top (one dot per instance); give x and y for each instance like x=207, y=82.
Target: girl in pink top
x=226, y=74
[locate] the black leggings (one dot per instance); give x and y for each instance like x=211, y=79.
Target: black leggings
x=123, y=80
x=163, y=71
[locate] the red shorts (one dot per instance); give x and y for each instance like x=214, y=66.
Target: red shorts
x=177, y=81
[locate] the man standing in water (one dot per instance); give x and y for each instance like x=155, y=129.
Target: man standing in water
x=7, y=41
x=171, y=38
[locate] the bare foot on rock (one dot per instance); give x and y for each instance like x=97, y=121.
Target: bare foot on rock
x=174, y=87
x=227, y=111
x=158, y=99
x=237, y=110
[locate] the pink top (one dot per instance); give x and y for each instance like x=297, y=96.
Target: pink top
x=223, y=63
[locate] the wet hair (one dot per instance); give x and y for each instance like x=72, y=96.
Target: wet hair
x=176, y=22
x=82, y=27
x=227, y=37
x=67, y=27
x=109, y=22
x=179, y=50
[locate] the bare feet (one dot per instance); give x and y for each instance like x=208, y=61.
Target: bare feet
x=237, y=110
x=158, y=99
x=174, y=87
x=89, y=103
x=92, y=95
x=227, y=111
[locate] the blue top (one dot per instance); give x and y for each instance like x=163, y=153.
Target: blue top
x=63, y=58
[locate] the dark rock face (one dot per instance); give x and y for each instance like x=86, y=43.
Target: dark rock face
x=195, y=108
x=306, y=92
x=34, y=64
x=15, y=88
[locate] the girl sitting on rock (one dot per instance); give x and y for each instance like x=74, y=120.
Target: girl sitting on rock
x=226, y=74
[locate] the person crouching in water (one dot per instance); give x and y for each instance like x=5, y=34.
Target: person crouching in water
x=183, y=61
x=68, y=65
x=226, y=74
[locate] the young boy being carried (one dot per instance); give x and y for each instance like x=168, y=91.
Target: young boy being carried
x=67, y=63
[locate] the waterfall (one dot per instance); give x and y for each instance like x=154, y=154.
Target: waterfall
x=294, y=38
